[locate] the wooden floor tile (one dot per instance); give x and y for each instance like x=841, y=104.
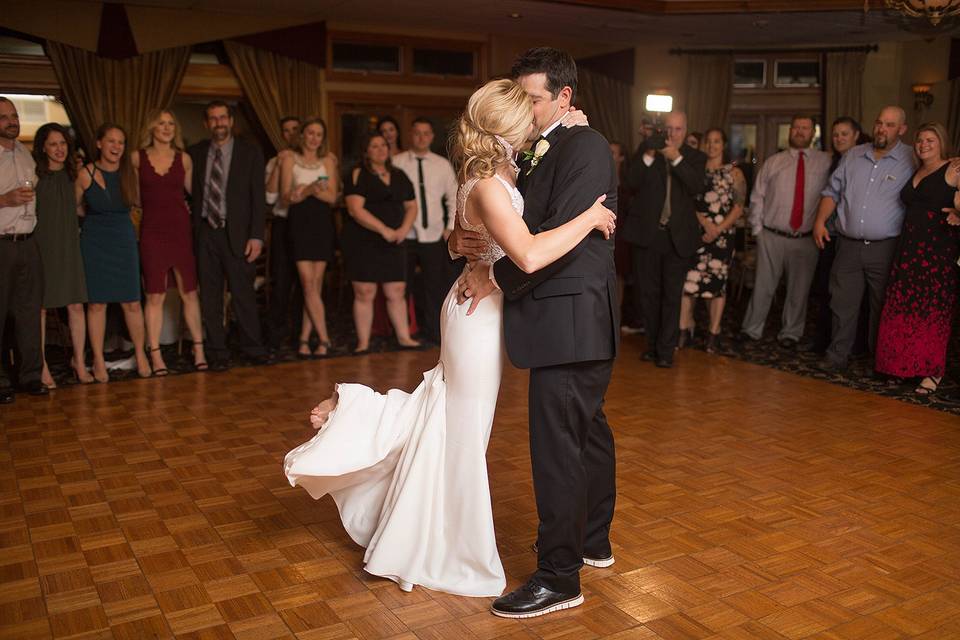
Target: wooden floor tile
x=751, y=504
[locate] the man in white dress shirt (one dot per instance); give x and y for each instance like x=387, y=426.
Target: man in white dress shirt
x=435, y=188
x=21, y=271
x=783, y=208
x=282, y=268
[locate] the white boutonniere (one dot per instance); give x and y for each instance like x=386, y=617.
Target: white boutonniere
x=535, y=156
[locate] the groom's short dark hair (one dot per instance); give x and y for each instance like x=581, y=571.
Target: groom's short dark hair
x=557, y=65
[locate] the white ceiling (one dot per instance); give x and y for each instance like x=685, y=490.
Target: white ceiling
x=585, y=23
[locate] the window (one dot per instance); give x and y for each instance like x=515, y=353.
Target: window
x=797, y=73
x=374, y=58
x=749, y=74
x=444, y=62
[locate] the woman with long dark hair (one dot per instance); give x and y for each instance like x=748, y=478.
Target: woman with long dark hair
x=718, y=208
x=58, y=236
x=107, y=187
x=388, y=127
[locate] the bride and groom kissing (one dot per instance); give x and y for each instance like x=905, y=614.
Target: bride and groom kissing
x=407, y=470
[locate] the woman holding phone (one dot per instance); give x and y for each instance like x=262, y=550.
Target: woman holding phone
x=309, y=187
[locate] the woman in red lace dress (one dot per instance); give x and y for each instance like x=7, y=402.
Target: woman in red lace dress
x=921, y=294
x=166, y=239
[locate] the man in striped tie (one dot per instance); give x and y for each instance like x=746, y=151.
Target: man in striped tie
x=228, y=216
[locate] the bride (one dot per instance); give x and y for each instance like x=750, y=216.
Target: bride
x=407, y=470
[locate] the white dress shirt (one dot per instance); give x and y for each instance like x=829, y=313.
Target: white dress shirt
x=17, y=165
x=439, y=182
x=273, y=197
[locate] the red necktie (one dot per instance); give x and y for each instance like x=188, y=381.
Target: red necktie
x=796, y=216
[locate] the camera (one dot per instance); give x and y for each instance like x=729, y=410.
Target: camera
x=656, y=140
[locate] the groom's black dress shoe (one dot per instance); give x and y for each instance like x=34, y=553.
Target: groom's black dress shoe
x=532, y=600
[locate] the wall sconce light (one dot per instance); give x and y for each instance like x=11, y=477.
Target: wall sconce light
x=921, y=96
x=659, y=103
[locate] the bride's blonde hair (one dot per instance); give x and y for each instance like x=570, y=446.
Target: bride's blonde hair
x=498, y=108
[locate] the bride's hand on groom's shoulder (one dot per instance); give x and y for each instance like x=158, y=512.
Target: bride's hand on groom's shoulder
x=574, y=118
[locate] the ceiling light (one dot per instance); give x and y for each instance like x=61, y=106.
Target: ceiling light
x=936, y=11
x=515, y=15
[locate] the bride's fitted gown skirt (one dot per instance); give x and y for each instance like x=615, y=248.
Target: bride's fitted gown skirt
x=408, y=470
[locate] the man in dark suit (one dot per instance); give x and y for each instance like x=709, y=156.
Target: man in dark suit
x=562, y=323
x=664, y=231
x=228, y=219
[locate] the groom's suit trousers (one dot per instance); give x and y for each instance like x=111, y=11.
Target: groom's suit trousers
x=574, y=469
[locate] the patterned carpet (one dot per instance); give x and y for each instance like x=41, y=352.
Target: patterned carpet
x=804, y=362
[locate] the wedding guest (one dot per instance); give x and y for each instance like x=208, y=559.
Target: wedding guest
x=435, y=188
x=282, y=267
x=58, y=236
x=718, y=208
x=782, y=210
x=107, y=187
x=921, y=295
x=664, y=231
x=845, y=134
x=865, y=192
x=165, y=175
x=21, y=268
x=388, y=127
x=382, y=208
x=308, y=182
x=695, y=140
x=228, y=224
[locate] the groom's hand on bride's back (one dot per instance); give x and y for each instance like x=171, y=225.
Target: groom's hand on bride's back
x=464, y=243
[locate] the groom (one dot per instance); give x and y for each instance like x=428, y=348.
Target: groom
x=561, y=323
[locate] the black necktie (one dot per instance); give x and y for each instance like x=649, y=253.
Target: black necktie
x=423, y=193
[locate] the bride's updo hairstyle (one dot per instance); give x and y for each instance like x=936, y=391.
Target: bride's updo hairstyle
x=498, y=108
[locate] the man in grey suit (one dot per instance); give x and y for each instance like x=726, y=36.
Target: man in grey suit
x=228, y=221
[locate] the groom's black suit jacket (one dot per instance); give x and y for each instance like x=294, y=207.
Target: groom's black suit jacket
x=566, y=312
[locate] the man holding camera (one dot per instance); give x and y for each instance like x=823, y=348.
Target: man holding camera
x=663, y=228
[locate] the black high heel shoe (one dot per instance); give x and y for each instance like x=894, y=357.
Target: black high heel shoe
x=157, y=373
x=305, y=356
x=202, y=365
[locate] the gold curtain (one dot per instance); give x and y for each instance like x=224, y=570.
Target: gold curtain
x=97, y=90
x=607, y=104
x=953, y=116
x=843, y=90
x=276, y=86
x=709, y=85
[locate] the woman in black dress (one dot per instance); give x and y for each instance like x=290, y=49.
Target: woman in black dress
x=382, y=208
x=308, y=182
x=921, y=294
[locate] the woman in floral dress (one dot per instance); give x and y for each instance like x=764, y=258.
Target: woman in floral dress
x=719, y=208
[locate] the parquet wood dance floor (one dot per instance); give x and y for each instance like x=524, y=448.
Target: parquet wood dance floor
x=752, y=504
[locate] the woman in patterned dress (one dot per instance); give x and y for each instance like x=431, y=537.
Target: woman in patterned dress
x=719, y=208
x=921, y=295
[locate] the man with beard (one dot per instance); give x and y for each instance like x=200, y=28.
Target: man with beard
x=228, y=221
x=865, y=192
x=21, y=271
x=782, y=211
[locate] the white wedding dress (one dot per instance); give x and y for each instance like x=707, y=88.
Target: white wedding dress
x=408, y=470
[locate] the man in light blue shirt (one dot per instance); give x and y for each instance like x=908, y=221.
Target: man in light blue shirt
x=865, y=192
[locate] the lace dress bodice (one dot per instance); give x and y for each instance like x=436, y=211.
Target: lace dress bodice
x=491, y=251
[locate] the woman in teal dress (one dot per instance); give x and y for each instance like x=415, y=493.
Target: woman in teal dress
x=108, y=243
x=58, y=236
